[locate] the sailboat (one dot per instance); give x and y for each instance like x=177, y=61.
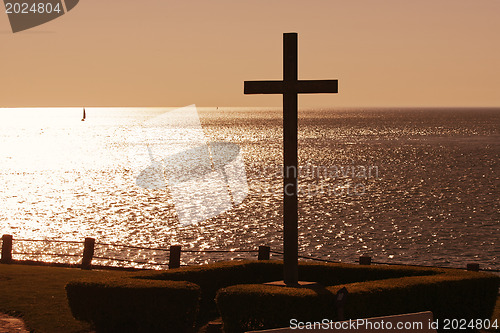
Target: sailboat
x=84, y=115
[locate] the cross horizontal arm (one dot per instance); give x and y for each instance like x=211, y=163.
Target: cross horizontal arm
x=263, y=87
x=317, y=86
x=300, y=87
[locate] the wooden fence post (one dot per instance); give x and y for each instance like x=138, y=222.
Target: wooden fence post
x=365, y=260
x=174, y=260
x=6, y=249
x=473, y=267
x=88, y=253
x=264, y=253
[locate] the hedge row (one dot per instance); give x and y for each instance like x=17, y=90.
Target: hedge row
x=448, y=294
x=215, y=276
x=132, y=305
x=168, y=301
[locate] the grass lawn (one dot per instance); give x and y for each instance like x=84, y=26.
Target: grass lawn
x=37, y=294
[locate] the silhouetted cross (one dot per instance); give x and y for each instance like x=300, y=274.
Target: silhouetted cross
x=290, y=87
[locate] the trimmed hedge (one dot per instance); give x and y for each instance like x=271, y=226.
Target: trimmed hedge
x=447, y=293
x=253, y=307
x=219, y=275
x=452, y=294
x=213, y=277
x=131, y=305
x=167, y=301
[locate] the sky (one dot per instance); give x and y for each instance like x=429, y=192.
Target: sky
x=386, y=53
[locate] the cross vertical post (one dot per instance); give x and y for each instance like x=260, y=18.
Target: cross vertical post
x=290, y=159
x=290, y=87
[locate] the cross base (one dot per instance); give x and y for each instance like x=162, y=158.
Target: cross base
x=300, y=284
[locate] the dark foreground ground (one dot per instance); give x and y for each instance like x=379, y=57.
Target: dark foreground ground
x=33, y=298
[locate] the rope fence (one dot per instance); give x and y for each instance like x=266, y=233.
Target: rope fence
x=175, y=251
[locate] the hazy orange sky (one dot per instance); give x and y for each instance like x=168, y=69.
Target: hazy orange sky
x=176, y=53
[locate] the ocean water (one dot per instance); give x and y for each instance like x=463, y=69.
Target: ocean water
x=416, y=186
